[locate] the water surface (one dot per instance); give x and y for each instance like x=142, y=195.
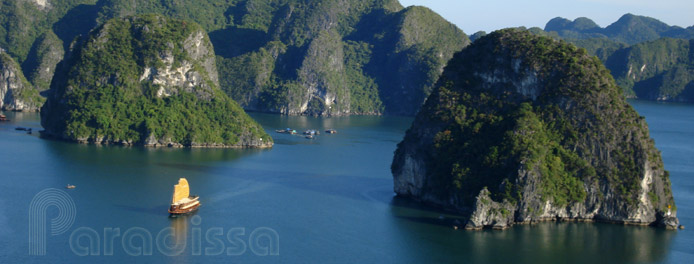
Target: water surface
x=329, y=199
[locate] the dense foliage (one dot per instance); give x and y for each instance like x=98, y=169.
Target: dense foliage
x=387, y=57
x=513, y=105
x=263, y=44
x=629, y=29
x=656, y=70
x=104, y=98
x=22, y=22
x=648, y=58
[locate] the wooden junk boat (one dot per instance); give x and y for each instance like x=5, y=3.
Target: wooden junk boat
x=182, y=202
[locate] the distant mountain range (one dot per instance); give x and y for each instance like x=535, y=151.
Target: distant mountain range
x=648, y=58
x=629, y=29
x=328, y=57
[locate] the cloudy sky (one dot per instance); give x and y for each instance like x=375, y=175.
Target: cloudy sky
x=489, y=15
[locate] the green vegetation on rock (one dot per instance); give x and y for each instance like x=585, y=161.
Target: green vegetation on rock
x=540, y=124
x=16, y=93
x=147, y=80
x=375, y=57
x=648, y=58
x=656, y=70
x=629, y=29
x=263, y=45
x=43, y=60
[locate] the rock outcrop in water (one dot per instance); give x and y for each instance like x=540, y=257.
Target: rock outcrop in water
x=16, y=93
x=523, y=129
x=146, y=80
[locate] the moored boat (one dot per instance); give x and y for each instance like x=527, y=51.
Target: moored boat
x=311, y=132
x=286, y=131
x=182, y=202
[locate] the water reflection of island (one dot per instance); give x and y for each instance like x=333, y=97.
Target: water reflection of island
x=549, y=242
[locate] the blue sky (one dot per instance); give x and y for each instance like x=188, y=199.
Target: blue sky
x=489, y=15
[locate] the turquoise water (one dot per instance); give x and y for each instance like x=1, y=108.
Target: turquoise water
x=329, y=199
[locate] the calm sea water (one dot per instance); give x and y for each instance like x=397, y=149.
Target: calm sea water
x=325, y=200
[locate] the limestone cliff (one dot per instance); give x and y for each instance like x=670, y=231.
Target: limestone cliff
x=146, y=80
x=658, y=70
x=522, y=128
x=649, y=59
x=337, y=57
x=323, y=57
x=43, y=60
x=16, y=93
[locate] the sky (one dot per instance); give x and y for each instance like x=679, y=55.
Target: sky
x=490, y=15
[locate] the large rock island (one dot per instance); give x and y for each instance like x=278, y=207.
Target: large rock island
x=522, y=129
x=146, y=80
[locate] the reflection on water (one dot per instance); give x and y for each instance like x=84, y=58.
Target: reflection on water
x=179, y=225
x=105, y=154
x=538, y=243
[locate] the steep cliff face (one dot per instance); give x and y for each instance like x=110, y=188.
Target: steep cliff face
x=412, y=61
x=16, y=93
x=387, y=57
x=337, y=57
x=658, y=70
x=322, y=74
x=649, y=59
x=522, y=129
x=43, y=60
x=147, y=80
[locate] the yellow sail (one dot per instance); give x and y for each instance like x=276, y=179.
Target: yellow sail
x=181, y=190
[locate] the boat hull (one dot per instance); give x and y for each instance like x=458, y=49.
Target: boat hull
x=182, y=209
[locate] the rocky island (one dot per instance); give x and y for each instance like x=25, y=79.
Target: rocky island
x=146, y=80
x=522, y=128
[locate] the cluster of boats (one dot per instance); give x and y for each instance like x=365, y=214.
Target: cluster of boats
x=309, y=134
x=286, y=131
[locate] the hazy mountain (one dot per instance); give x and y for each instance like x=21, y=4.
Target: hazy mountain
x=629, y=29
